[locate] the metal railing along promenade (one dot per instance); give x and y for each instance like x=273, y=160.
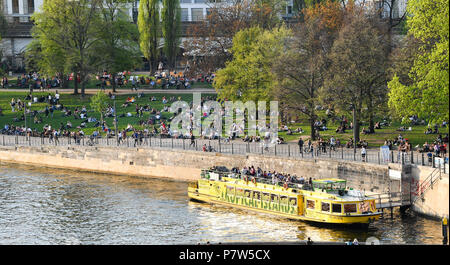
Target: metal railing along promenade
x=240, y=148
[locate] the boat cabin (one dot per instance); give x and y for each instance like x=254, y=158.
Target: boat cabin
x=331, y=185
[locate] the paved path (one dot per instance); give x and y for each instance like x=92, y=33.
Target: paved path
x=122, y=91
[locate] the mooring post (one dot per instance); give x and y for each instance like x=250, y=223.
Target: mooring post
x=444, y=231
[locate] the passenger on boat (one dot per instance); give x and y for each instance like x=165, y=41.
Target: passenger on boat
x=301, y=180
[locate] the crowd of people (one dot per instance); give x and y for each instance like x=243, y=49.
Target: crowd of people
x=275, y=177
x=162, y=79
x=33, y=81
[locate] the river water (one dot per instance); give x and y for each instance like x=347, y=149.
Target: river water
x=48, y=206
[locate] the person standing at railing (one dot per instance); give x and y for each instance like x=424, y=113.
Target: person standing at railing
x=332, y=143
x=363, y=153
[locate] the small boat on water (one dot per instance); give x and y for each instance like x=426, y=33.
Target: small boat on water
x=326, y=201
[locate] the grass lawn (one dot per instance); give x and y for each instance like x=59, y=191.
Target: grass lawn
x=416, y=136
x=72, y=101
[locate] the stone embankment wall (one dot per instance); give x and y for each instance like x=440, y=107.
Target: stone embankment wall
x=186, y=165
x=435, y=201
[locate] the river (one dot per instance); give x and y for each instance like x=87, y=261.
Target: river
x=40, y=206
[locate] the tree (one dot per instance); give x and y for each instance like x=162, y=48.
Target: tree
x=70, y=26
x=149, y=29
x=212, y=39
x=99, y=102
x=117, y=49
x=357, y=75
x=300, y=70
x=248, y=75
x=171, y=26
x=426, y=91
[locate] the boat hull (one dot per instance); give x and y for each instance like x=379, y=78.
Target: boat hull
x=361, y=219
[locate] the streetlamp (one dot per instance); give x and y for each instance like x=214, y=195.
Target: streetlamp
x=353, y=108
x=115, y=122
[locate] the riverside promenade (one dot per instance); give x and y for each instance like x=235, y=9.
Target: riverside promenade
x=238, y=147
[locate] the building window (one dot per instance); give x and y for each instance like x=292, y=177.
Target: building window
x=184, y=14
x=289, y=10
x=15, y=6
x=199, y=1
x=197, y=14
x=186, y=1
x=30, y=6
x=336, y=208
x=325, y=207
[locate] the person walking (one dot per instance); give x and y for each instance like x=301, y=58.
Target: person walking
x=363, y=154
x=192, y=139
x=300, y=145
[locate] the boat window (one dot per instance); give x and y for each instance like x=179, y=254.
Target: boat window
x=230, y=189
x=256, y=195
x=336, y=208
x=247, y=193
x=364, y=206
x=283, y=200
x=293, y=201
x=310, y=204
x=239, y=192
x=350, y=208
x=266, y=196
x=274, y=197
x=325, y=207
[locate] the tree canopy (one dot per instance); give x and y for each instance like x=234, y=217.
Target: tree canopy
x=426, y=90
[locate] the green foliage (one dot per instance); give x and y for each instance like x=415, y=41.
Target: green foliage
x=149, y=29
x=67, y=31
x=427, y=91
x=171, y=26
x=248, y=75
x=117, y=49
x=99, y=102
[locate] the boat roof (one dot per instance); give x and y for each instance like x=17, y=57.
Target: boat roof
x=330, y=180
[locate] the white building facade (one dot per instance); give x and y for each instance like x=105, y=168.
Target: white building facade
x=18, y=13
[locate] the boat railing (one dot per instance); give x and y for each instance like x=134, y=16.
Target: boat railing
x=258, y=179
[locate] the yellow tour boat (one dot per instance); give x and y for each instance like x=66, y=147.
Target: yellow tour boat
x=324, y=200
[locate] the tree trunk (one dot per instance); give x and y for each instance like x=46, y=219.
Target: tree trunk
x=75, y=89
x=313, y=131
x=356, y=125
x=63, y=79
x=113, y=82
x=83, y=85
